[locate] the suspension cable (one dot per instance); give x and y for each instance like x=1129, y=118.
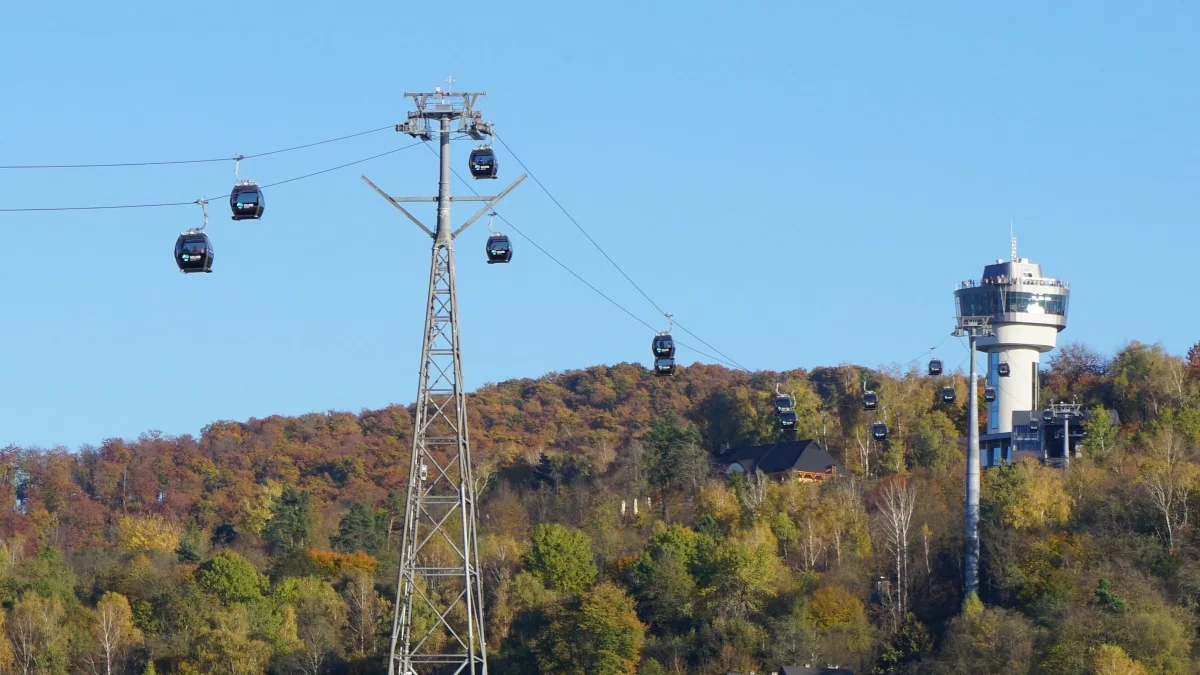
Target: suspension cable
x=192, y=202
x=109, y=165
x=577, y=276
x=607, y=257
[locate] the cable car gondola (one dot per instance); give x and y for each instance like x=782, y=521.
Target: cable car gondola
x=499, y=248
x=1047, y=416
x=663, y=346
x=193, y=252
x=948, y=394
x=870, y=400
x=483, y=163
x=1035, y=426
x=787, y=419
x=935, y=367
x=989, y=394
x=246, y=201
x=784, y=403
x=1002, y=369
x=879, y=431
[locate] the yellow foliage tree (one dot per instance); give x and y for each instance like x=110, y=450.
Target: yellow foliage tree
x=1112, y=660
x=833, y=606
x=840, y=618
x=7, y=655
x=1030, y=496
x=149, y=534
x=257, y=511
x=114, y=631
x=720, y=502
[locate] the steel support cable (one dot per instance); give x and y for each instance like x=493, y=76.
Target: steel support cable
x=190, y=161
x=999, y=380
x=606, y=297
x=193, y=202
x=608, y=257
x=928, y=351
x=581, y=280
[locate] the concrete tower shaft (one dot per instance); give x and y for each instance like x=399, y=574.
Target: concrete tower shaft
x=1026, y=310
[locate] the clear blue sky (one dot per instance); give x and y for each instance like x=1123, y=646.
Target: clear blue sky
x=801, y=183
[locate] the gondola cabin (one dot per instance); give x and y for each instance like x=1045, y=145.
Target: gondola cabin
x=193, y=252
x=499, y=249
x=664, y=367
x=1002, y=370
x=483, y=163
x=784, y=403
x=1035, y=426
x=1047, y=416
x=989, y=394
x=935, y=367
x=879, y=431
x=787, y=419
x=948, y=395
x=663, y=347
x=870, y=400
x=246, y=201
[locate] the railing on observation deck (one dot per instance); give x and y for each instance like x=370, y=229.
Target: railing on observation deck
x=1013, y=281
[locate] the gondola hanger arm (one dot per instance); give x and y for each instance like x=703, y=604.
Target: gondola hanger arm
x=488, y=206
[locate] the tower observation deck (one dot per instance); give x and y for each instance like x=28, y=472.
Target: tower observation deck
x=1025, y=310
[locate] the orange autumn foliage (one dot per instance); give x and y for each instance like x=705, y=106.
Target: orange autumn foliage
x=333, y=564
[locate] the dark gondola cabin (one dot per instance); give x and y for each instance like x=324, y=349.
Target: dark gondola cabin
x=989, y=394
x=663, y=347
x=483, y=163
x=193, y=252
x=499, y=249
x=784, y=403
x=879, y=431
x=664, y=366
x=1002, y=370
x=870, y=400
x=935, y=367
x=787, y=419
x=948, y=395
x=1035, y=426
x=246, y=201
x=1047, y=416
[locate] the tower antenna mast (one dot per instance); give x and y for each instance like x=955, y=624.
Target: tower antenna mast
x=438, y=624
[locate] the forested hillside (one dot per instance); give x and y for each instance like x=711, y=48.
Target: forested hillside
x=270, y=545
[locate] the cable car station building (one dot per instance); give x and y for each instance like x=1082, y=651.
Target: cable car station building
x=1025, y=311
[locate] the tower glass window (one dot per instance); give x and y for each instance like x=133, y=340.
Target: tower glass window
x=986, y=301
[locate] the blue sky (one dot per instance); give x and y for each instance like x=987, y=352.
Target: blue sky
x=800, y=183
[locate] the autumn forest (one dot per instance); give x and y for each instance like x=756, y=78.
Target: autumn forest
x=270, y=546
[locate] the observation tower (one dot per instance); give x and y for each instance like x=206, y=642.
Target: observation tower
x=1025, y=311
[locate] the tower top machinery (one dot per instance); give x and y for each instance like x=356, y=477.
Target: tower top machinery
x=1025, y=310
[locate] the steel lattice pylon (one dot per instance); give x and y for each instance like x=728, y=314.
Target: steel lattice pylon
x=440, y=604
x=439, y=619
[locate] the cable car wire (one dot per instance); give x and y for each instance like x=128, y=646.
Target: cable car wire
x=211, y=199
x=342, y=166
x=190, y=161
x=609, y=258
x=309, y=145
x=575, y=274
x=923, y=354
x=602, y=294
